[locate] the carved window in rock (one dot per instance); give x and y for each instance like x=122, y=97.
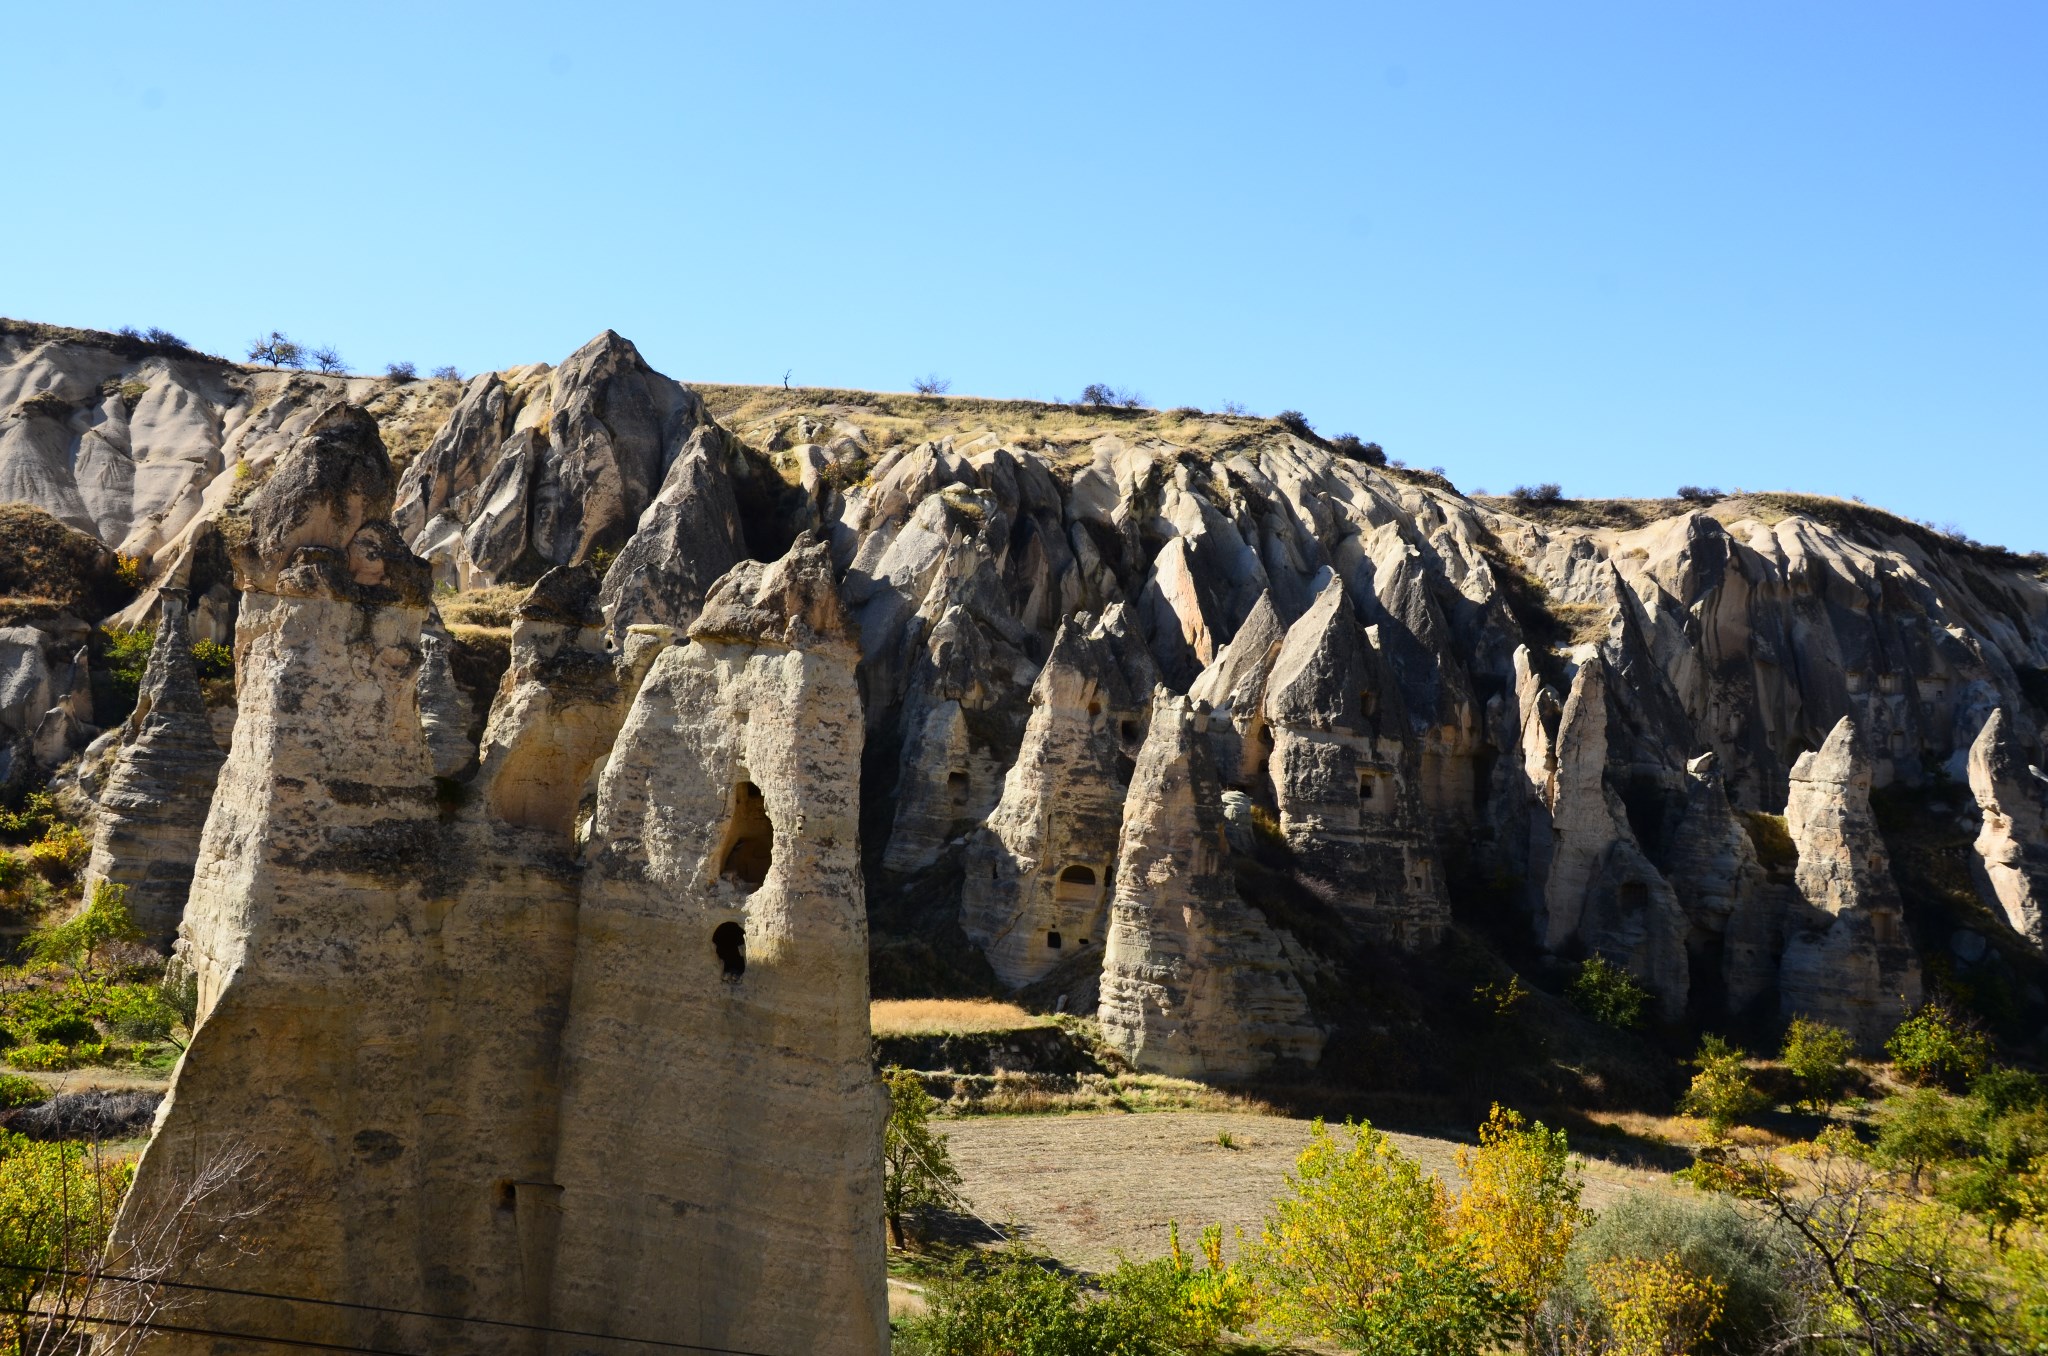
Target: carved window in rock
x=1076, y=885
x=957, y=787
x=1368, y=789
x=1131, y=731
x=729, y=944
x=1635, y=896
x=1891, y=684
x=1369, y=704
x=749, y=840
x=1052, y=940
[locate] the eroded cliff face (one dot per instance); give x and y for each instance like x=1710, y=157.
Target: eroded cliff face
x=1123, y=705
x=429, y=1017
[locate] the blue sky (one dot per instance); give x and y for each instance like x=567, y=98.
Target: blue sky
x=1622, y=246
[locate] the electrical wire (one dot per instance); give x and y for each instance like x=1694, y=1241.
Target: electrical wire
x=117, y=1277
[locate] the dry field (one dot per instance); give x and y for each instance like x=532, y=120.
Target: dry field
x=1087, y=1187
x=944, y=1016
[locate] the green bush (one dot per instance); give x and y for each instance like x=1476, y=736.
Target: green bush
x=1711, y=1238
x=104, y=919
x=214, y=659
x=125, y=654
x=1818, y=1056
x=68, y=1029
x=1608, y=994
x=18, y=1091
x=14, y=873
x=1015, y=1304
x=1936, y=1047
x=1722, y=1093
x=140, y=1012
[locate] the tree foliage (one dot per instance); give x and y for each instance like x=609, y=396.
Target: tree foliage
x=277, y=351
x=1722, y=1093
x=1608, y=994
x=1364, y=1250
x=1520, y=1206
x=917, y=1171
x=1936, y=1046
x=1817, y=1054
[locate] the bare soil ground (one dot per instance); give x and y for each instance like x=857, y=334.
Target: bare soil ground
x=1087, y=1187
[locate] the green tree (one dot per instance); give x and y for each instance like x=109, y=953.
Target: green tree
x=1818, y=1056
x=1920, y=1130
x=1362, y=1251
x=104, y=920
x=1608, y=994
x=1935, y=1046
x=1722, y=1093
x=917, y=1171
x=57, y=1203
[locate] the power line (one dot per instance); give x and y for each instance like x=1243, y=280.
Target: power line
x=365, y=1308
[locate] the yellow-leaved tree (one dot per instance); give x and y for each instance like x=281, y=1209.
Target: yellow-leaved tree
x=1656, y=1306
x=1520, y=1206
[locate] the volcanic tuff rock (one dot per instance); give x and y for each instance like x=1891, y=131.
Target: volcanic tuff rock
x=154, y=802
x=1037, y=875
x=1581, y=716
x=1847, y=959
x=2012, y=850
x=433, y=983
x=1195, y=982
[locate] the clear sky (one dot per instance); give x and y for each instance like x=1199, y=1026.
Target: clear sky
x=1621, y=246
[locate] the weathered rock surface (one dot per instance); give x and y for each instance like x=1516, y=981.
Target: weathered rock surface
x=1847, y=959
x=2012, y=848
x=1195, y=982
x=1038, y=875
x=410, y=1008
x=1582, y=726
x=539, y=467
x=154, y=802
x=720, y=1155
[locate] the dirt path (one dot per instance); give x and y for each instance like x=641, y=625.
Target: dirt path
x=1085, y=1187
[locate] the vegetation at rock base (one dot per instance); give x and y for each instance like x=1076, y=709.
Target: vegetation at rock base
x=1936, y=1046
x=916, y=1171
x=57, y=1205
x=1609, y=994
x=1817, y=1055
x=1722, y=1093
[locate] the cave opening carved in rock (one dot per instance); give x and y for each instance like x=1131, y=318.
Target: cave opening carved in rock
x=729, y=944
x=749, y=840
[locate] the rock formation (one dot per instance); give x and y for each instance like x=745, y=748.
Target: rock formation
x=469, y=1027
x=1344, y=776
x=1195, y=981
x=720, y=1157
x=154, y=802
x=1847, y=959
x=1037, y=880
x=2012, y=849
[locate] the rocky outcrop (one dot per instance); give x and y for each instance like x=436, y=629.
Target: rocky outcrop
x=1037, y=878
x=153, y=805
x=719, y=1108
x=540, y=467
x=1847, y=958
x=688, y=537
x=2012, y=847
x=1195, y=982
x=1343, y=772
x=1600, y=891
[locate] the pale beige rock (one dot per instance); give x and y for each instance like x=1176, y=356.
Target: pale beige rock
x=1847, y=958
x=1343, y=772
x=719, y=1160
x=1195, y=982
x=2012, y=847
x=1037, y=877
x=149, y=814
